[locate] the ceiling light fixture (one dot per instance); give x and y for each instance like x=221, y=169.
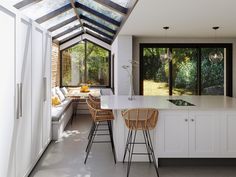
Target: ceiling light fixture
x=165, y=55
x=216, y=56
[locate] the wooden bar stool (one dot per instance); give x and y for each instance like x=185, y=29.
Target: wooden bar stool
x=144, y=119
x=99, y=116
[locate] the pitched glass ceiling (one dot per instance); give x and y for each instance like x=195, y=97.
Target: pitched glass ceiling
x=102, y=18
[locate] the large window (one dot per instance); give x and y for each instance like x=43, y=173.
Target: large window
x=190, y=72
x=85, y=62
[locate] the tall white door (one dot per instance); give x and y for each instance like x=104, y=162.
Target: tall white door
x=172, y=134
x=23, y=79
x=37, y=91
x=47, y=90
x=7, y=91
x=204, y=134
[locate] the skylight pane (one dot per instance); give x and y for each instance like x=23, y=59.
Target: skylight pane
x=58, y=19
x=123, y=3
x=44, y=7
x=102, y=9
x=69, y=34
x=99, y=28
x=97, y=33
x=13, y=2
x=66, y=27
x=99, y=20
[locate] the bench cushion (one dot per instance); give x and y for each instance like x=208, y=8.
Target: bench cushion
x=57, y=111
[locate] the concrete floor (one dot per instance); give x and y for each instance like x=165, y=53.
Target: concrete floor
x=65, y=159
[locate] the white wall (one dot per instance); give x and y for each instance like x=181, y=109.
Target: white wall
x=138, y=40
x=122, y=49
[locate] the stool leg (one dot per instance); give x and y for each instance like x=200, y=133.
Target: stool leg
x=91, y=130
x=131, y=152
x=111, y=138
x=147, y=146
x=152, y=151
x=126, y=145
x=91, y=142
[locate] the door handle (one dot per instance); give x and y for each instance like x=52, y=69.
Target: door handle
x=45, y=89
x=20, y=100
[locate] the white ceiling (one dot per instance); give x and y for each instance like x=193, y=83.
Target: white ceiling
x=186, y=18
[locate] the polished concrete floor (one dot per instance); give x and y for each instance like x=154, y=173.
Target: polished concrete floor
x=65, y=159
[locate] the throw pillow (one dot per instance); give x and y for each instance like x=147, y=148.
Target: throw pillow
x=54, y=92
x=64, y=91
x=60, y=94
x=56, y=101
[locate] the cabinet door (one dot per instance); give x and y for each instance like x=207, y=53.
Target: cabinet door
x=7, y=91
x=47, y=91
x=23, y=77
x=204, y=134
x=228, y=135
x=37, y=91
x=172, y=134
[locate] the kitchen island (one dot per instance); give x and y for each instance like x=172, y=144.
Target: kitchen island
x=187, y=127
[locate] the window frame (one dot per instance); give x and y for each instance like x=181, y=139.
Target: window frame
x=109, y=64
x=198, y=46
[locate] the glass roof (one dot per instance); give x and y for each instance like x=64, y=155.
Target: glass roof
x=44, y=7
x=35, y=9
x=66, y=27
x=100, y=29
x=102, y=9
x=13, y=2
x=58, y=19
x=123, y=3
x=97, y=34
x=99, y=20
x=69, y=34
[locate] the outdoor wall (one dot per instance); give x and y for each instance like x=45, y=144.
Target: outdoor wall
x=138, y=40
x=55, y=65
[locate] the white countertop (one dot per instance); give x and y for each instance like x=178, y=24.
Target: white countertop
x=161, y=102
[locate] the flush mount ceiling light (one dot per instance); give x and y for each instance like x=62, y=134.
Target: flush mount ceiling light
x=165, y=55
x=216, y=56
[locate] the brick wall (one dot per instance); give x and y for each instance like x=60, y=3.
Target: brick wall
x=55, y=65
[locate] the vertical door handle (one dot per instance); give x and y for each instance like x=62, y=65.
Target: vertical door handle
x=20, y=100
x=45, y=89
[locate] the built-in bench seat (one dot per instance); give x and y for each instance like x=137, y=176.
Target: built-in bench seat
x=61, y=115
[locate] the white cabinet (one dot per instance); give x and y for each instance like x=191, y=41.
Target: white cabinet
x=228, y=135
x=23, y=80
x=7, y=91
x=37, y=91
x=25, y=120
x=172, y=134
x=204, y=133
x=47, y=90
x=189, y=134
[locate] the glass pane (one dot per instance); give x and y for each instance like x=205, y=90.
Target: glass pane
x=184, y=71
x=44, y=7
x=99, y=20
x=69, y=34
x=97, y=33
x=212, y=74
x=155, y=73
x=93, y=70
x=91, y=24
x=102, y=9
x=73, y=65
x=13, y=2
x=58, y=19
x=66, y=27
x=97, y=65
x=123, y=3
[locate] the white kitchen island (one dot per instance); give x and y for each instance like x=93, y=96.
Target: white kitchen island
x=206, y=130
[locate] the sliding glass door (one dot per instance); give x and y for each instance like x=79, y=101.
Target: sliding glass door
x=189, y=72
